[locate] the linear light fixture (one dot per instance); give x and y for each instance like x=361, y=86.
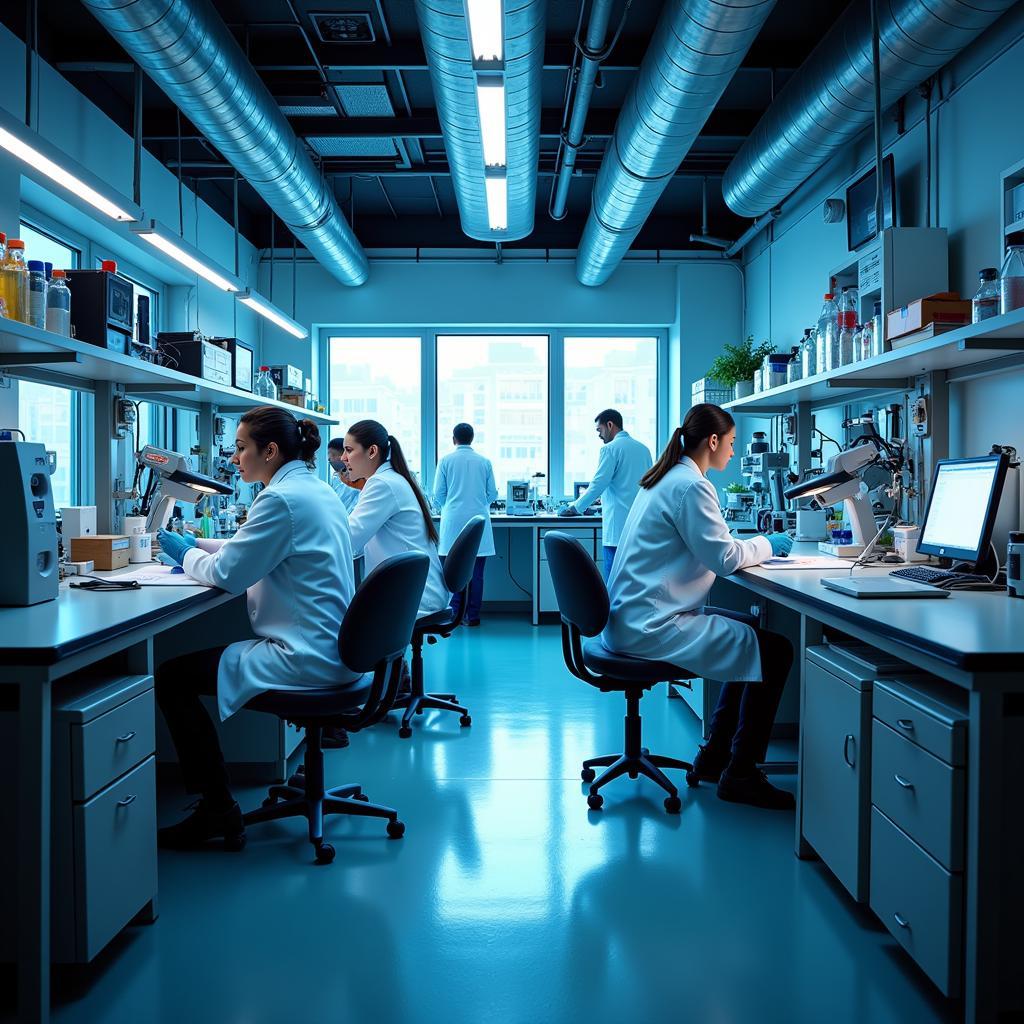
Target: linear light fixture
x=266, y=308
x=496, y=185
x=45, y=159
x=184, y=253
x=490, y=102
x=486, y=29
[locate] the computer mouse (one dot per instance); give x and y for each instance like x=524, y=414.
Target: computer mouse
x=892, y=558
x=176, y=568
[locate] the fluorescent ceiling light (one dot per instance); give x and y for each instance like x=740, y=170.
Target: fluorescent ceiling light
x=497, y=201
x=26, y=145
x=185, y=254
x=486, y=29
x=490, y=101
x=256, y=301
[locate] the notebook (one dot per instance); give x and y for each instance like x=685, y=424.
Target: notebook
x=880, y=587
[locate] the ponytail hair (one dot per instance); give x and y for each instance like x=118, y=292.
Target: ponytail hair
x=295, y=439
x=370, y=432
x=700, y=423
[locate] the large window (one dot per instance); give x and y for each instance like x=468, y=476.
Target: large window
x=603, y=373
x=46, y=415
x=499, y=384
x=378, y=379
x=39, y=245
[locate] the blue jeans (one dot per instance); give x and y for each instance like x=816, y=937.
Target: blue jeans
x=609, y=556
x=476, y=593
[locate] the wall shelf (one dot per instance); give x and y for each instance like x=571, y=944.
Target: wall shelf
x=78, y=362
x=964, y=347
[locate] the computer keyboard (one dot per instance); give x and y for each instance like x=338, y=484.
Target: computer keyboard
x=944, y=578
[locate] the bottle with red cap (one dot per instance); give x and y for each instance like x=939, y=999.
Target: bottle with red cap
x=110, y=266
x=826, y=334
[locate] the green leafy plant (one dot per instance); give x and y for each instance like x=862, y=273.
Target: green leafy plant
x=735, y=488
x=738, y=362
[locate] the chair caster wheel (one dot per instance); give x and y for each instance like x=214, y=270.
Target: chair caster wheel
x=673, y=804
x=595, y=801
x=692, y=781
x=324, y=853
x=361, y=796
x=405, y=731
x=234, y=843
x=396, y=829
x=465, y=720
x=588, y=775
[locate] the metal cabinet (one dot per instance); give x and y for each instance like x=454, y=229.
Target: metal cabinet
x=588, y=536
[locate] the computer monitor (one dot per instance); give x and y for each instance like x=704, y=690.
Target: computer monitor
x=962, y=506
x=578, y=487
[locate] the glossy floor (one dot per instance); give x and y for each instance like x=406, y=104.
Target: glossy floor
x=507, y=900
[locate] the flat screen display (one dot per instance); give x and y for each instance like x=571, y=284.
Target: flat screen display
x=860, y=205
x=962, y=507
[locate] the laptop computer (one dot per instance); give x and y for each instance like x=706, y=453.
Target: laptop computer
x=880, y=587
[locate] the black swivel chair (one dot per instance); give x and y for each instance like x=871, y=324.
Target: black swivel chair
x=458, y=573
x=583, y=605
x=373, y=638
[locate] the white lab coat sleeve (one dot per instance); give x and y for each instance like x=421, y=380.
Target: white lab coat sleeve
x=440, y=485
x=209, y=545
x=492, y=487
x=377, y=504
x=261, y=544
x=602, y=478
x=703, y=529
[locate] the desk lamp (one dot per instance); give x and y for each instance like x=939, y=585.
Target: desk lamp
x=175, y=481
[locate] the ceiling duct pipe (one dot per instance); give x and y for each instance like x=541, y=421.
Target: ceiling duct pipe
x=186, y=48
x=696, y=49
x=830, y=99
x=454, y=75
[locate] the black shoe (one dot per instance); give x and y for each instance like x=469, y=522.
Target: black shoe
x=202, y=825
x=754, y=789
x=333, y=738
x=473, y=622
x=708, y=765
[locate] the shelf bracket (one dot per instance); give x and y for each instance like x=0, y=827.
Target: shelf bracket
x=156, y=389
x=874, y=384
x=991, y=344
x=37, y=358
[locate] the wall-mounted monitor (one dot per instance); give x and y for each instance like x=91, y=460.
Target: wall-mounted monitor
x=860, y=205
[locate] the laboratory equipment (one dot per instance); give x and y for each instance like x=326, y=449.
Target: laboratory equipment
x=28, y=525
x=242, y=360
x=1015, y=564
x=102, y=312
x=877, y=331
x=740, y=512
x=986, y=300
x=171, y=475
x=810, y=524
x=904, y=542
x=578, y=487
x=861, y=215
x=264, y=386
x=518, y=502
x=141, y=542
x=286, y=376
x=198, y=356
x=1011, y=276
x=144, y=336
x=106, y=550
x=763, y=470
x=58, y=305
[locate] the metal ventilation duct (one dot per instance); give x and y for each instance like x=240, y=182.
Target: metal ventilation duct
x=830, y=100
x=696, y=49
x=188, y=51
x=445, y=33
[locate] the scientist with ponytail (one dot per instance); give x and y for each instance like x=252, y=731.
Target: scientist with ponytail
x=674, y=544
x=293, y=559
x=392, y=515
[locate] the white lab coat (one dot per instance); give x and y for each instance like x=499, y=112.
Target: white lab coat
x=387, y=521
x=464, y=487
x=293, y=557
x=621, y=464
x=349, y=495
x=674, y=543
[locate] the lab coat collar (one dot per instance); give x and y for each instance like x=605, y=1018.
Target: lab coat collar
x=685, y=460
x=286, y=470
x=464, y=446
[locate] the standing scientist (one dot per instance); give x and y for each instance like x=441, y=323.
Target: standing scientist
x=293, y=559
x=621, y=464
x=465, y=488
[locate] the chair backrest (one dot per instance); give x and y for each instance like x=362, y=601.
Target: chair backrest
x=579, y=589
x=379, y=621
x=461, y=557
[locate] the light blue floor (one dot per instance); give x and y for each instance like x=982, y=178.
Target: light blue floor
x=507, y=900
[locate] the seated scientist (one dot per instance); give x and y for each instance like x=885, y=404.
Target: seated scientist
x=673, y=545
x=293, y=558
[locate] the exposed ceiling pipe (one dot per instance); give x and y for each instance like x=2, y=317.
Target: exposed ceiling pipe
x=830, y=100
x=453, y=76
x=186, y=48
x=696, y=49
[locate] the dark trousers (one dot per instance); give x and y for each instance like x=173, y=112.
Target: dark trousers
x=476, y=593
x=746, y=712
x=609, y=558
x=180, y=683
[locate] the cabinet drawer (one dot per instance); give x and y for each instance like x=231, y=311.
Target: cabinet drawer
x=923, y=795
x=106, y=747
x=912, y=710
x=918, y=901
x=835, y=776
x=115, y=857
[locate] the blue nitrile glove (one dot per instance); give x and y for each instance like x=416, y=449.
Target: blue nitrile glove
x=781, y=544
x=568, y=512
x=174, y=545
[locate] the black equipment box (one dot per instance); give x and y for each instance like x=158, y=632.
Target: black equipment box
x=102, y=311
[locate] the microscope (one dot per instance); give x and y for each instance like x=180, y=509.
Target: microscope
x=764, y=472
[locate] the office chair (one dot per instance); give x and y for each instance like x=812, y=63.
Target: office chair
x=458, y=573
x=583, y=606
x=373, y=637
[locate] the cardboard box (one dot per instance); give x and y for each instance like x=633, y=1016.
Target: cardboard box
x=108, y=551
x=945, y=308
x=296, y=398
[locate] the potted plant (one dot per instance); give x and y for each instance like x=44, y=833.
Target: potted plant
x=732, y=494
x=737, y=364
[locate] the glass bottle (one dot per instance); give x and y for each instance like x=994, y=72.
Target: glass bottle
x=808, y=358
x=863, y=341
x=844, y=346
x=14, y=280
x=794, y=368
x=1011, y=276
x=826, y=334
x=264, y=386
x=58, y=305
x=986, y=300
x=877, y=331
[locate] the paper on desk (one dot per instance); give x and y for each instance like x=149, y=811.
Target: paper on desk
x=159, y=576
x=805, y=562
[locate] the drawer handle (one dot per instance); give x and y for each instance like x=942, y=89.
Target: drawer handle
x=907, y=724
x=846, y=749
x=901, y=920
x=126, y=737
x=903, y=782
x=129, y=799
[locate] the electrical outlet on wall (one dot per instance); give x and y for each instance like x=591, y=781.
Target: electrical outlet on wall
x=919, y=416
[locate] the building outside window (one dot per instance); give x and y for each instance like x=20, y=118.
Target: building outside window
x=40, y=245
x=46, y=416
